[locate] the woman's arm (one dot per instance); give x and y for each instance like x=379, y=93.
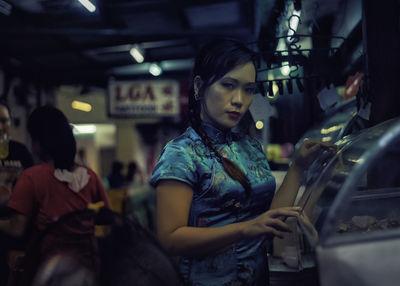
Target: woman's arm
x=173, y=205
x=287, y=192
x=308, y=152
x=15, y=226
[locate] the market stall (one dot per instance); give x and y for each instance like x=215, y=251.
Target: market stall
x=349, y=230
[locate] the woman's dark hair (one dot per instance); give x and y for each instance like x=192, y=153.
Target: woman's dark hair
x=213, y=61
x=49, y=126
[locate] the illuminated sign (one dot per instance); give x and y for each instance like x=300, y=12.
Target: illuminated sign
x=143, y=98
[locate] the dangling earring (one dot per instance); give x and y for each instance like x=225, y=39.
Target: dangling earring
x=196, y=95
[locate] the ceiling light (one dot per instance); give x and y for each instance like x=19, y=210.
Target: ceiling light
x=84, y=128
x=82, y=106
x=88, y=5
x=155, y=69
x=137, y=54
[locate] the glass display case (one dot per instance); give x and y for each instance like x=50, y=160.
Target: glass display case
x=335, y=123
x=349, y=228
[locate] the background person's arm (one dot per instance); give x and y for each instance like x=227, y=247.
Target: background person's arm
x=15, y=226
x=173, y=205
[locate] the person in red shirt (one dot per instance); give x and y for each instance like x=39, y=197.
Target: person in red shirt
x=54, y=188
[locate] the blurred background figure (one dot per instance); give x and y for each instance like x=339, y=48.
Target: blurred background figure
x=47, y=192
x=130, y=255
x=14, y=156
x=81, y=158
x=134, y=175
x=116, y=178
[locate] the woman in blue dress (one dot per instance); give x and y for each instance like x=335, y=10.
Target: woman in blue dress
x=216, y=203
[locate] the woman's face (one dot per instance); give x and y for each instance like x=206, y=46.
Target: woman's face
x=227, y=99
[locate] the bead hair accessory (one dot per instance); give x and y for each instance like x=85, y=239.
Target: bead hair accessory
x=197, y=83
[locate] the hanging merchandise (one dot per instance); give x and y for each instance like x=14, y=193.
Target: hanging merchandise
x=353, y=83
x=289, y=86
x=280, y=87
x=289, y=59
x=270, y=89
x=299, y=84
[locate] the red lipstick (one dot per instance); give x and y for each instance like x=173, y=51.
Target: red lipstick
x=234, y=115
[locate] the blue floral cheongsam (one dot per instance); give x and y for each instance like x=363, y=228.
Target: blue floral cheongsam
x=219, y=200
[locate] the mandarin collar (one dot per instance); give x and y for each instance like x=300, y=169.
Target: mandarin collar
x=217, y=135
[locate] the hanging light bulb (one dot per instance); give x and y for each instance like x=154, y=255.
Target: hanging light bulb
x=88, y=5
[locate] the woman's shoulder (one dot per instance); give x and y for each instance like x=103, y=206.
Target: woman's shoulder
x=239, y=135
x=187, y=139
x=188, y=146
x=251, y=145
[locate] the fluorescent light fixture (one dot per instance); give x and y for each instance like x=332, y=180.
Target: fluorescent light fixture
x=259, y=124
x=88, y=5
x=155, y=69
x=84, y=129
x=293, y=24
x=82, y=106
x=137, y=54
x=143, y=68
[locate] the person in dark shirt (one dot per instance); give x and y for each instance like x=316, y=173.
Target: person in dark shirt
x=116, y=178
x=14, y=160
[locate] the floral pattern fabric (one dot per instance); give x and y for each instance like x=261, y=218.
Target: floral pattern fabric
x=219, y=200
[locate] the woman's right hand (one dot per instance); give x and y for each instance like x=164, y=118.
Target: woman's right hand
x=271, y=223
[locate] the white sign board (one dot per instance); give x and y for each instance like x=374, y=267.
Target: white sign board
x=143, y=98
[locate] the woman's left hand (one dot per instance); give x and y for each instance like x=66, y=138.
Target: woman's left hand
x=309, y=151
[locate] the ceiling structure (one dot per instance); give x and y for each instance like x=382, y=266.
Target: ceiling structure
x=61, y=42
